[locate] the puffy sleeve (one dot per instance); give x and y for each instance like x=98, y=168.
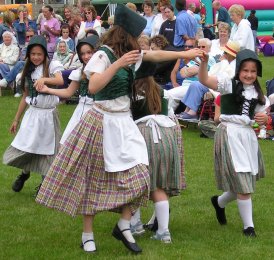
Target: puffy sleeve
x=55, y=66
x=75, y=75
x=224, y=84
x=263, y=108
x=98, y=63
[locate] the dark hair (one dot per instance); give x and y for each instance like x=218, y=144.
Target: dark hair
x=148, y=3
x=120, y=41
x=148, y=88
x=49, y=7
x=253, y=12
x=30, y=67
x=170, y=7
x=180, y=5
x=64, y=26
x=160, y=41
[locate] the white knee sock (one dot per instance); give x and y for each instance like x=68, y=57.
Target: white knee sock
x=125, y=224
x=136, y=217
x=226, y=197
x=245, y=209
x=162, y=215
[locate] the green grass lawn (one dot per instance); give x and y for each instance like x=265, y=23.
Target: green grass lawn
x=31, y=231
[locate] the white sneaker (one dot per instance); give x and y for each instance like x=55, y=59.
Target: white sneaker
x=89, y=246
x=137, y=229
x=17, y=95
x=165, y=237
x=3, y=83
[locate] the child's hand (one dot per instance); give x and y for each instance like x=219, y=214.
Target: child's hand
x=261, y=118
x=43, y=89
x=13, y=127
x=192, y=54
x=129, y=58
x=39, y=83
x=204, y=57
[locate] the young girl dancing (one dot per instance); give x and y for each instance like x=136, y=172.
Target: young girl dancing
x=102, y=164
x=238, y=159
x=85, y=49
x=163, y=137
x=36, y=143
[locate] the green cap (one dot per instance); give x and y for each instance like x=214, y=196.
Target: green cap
x=132, y=22
x=146, y=69
x=90, y=40
x=245, y=55
x=37, y=40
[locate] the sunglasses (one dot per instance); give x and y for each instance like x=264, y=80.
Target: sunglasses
x=201, y=47
x=87, y=12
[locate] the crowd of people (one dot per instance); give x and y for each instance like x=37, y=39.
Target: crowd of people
x=123, y=143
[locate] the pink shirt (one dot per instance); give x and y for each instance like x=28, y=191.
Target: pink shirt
x=52, y=23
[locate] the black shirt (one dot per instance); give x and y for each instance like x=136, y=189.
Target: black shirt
x=168, y=29
x=253, y=21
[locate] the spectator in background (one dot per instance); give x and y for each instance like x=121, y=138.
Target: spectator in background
x=185, y=26
x=24, y=27
x=111, y=21
x=241, y=31
x=168, y=27
x=148, y=7
x=63, y=54
x=191, y=9
x=218, y=44
x=75, y=24
x=160, y=17
x=65, y=37
x=90, y=23
x=144, y=42
x=254, y=25
x=131, y=6
x=221, y=15
x=50, y=25
x=6, y=25
x=67, y=14
x=199, y=21
x=9, y=53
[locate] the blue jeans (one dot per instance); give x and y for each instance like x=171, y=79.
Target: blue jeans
x=11, y=76
x=4, y=69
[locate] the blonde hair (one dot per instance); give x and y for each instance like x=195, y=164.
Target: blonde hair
x=131, y=6
x=225, y=26
x=238, y=10
x=22, y=8
x=143, y=39
x=8, y=17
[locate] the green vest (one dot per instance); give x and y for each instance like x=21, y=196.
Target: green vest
x=230, y=105
x=84, y=89
x=139, y=107
x=121, y=83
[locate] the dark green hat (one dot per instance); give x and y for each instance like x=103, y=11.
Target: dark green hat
x=245, y=55
x=90, y=40
x=146, y=69
x=130, y=21
x=37, y=40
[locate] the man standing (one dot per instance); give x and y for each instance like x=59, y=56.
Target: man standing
x=254, y=25
x=185, y=26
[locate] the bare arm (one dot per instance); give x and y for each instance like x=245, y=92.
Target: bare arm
x=210, y=82
x=158, y=56
x=62, y=93
x=21, y=108
x=173, y=74
x=189, y=71
x=56, y=80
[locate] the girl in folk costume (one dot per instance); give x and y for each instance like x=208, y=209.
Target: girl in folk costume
x=37, y=140
x=85, y=50
x=238, y=159
x=164, y=143
x=102, y=164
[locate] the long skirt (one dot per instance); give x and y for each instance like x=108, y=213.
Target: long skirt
x=166, y=159
x=226, y=177
x=30, y=162
x=77, y=182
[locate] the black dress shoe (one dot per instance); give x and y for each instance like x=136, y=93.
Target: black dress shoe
x=152, y=227
x=249, y=232
x=19, y=182
x=220, y=212
x=118, y=234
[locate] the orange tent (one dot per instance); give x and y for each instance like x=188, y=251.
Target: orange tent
x=13, y=8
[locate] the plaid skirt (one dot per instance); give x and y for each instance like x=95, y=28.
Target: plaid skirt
x=30, y=162
x=226, y=177
x=166, y=161
x=77, y=182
